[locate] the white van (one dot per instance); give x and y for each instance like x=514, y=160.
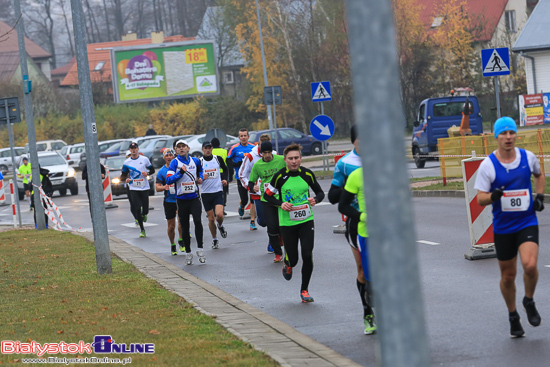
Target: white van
x=47, y=145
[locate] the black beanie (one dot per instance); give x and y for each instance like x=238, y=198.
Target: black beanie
x=266, y=147
x=353, y=133
x=215, y=143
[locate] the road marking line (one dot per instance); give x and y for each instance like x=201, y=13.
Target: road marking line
x=547, y=266
x=133, y=225
x=429, y=243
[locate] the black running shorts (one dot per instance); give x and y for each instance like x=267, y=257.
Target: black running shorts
x=210, y=200
x=170, y=210
x=507, y=244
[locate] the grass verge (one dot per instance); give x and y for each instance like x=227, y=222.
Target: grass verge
x=51, y=292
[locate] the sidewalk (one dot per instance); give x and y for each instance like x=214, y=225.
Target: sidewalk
x=280, y=341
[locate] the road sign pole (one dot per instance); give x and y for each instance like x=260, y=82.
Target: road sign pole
x=323, y=145
x=29, y=114
x=12, y=152
x=498, y=97
x=275, y=121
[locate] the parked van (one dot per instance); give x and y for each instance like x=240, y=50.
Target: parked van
x=47, y=145
x=435, y=117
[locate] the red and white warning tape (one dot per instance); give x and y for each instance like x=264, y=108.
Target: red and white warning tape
x=49, y=211
x=460, y=156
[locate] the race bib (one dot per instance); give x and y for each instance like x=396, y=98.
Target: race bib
x=188, y=187
x=138, y=182
x=171, y=189
x=300, y=212
x=27, y=177
x=266, y=186
x=211, y=173
x=515, y=200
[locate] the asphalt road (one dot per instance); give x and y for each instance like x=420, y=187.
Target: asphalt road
x=465, y=314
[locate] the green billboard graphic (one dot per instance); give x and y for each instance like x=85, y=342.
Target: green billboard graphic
x=165, y=71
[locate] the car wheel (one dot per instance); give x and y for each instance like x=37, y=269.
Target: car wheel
x=420, y=162
x=3, y=168
x=196, y=155
x=63, y=192
x=316, y=149
x=74, y=190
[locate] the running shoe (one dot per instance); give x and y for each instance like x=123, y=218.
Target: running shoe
x=174, y=251
x=270, y=249
x=253, y=226
x=142, y=234
x=189, y=258
x=287, y=272
x=370, y=325
x=137, y=223
x=532, y=314
x=306, y=298
x=241, y=211
x=144, y=218
x=182, y=245
x=516, y=330
x=222, y=230
x=215, y=244
x=278, y=258
x=200, y=254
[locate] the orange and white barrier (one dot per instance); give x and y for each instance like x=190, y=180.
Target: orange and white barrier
x=12, y=195
x=2, y=194
x=107, y=192
x=480, y=218
x=51, y=211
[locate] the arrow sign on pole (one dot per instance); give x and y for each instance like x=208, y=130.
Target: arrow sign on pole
x=321, y=127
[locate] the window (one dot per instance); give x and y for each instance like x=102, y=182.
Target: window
x=437, y=22
x=99, y=66
x=57, y=146
x=290, y=134
x=450, y=109
x=228, y=77
x=160, y=144
x=41, y=147
x=510, y=19
x=64, y=150
x=421, y=113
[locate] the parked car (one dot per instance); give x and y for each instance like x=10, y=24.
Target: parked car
x=73, y=153
x=102, y=145
x=114, y=164
x=147, y=147
x=61, y=174
x=5, y=157
x=156, y=158
x=47, y=145
x=119, y=148
x=287, y=136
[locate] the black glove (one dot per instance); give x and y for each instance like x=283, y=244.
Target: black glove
x=182, y=171
x=538, y=204
x=496, y=195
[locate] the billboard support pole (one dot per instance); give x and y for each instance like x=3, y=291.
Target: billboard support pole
x=99, y=220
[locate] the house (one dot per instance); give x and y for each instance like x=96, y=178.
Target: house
x=38, y=59
x=534, y=46
x=99, y=57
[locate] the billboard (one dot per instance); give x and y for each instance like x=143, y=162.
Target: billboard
x=164, y=71
x=534, y=109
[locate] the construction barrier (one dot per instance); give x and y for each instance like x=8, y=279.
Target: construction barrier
x=51, y=211
x=12, y=196
x=480, y=218
x=107, y=192
x=2, y=194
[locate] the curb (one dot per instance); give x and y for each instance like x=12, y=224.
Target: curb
x=438, y=193
x=280, y=341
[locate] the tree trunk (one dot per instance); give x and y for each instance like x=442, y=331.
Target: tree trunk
x=107, y=23
x=64, y=13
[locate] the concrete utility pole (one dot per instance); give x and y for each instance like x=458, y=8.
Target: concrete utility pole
x=29, y=118
x=99, y=220
x=395, y=276
x=269, y=119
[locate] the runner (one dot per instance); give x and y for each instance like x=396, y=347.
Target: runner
x=135, y=175
x=235, y=158
x=289, y=190
x=186, y=172
x=25, y=172
x=504, y=180
x=169, y=202
x=220, y=152
x=354, y=193
x=212, y=191
x=261, y=175
x=244, y=175
x=345, y=166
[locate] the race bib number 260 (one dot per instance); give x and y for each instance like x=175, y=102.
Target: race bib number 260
x=300, y=212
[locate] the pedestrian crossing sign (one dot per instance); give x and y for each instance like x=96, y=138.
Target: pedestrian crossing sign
x=495, y=61
x=320, y=92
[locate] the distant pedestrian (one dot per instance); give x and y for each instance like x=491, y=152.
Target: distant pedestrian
x=504, y=180
x=150, y=131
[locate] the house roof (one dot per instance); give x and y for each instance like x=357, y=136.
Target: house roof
x=532, y=37
x=489, y=11
x=8, y=43
x=63, y=70
x=100, y=52
x=9, y=62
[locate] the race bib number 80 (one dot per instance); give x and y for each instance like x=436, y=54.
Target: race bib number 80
x=515, y=200
x=300, y=212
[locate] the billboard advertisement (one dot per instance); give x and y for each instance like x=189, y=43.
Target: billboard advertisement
x=534, y=109
x=164, y=71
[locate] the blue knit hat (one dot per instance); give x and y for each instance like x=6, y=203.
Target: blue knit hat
x=504, y=124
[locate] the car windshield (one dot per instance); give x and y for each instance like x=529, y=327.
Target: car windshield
x=450, y=109
x=145, y=144
x=51, y=160
x=114, y=148
x=115, y=163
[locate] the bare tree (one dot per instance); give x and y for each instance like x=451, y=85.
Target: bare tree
x=107, y=22
x=63, y=6
x=39, y=15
